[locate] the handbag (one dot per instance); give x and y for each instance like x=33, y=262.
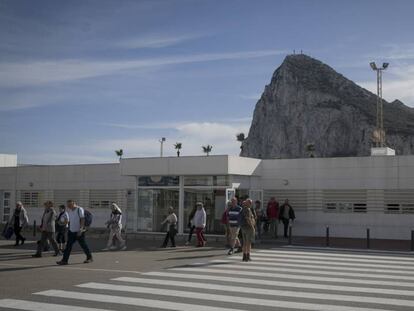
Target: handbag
x=7, y=232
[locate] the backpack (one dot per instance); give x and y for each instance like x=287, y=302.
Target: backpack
x=248, y=218
x=88, y=217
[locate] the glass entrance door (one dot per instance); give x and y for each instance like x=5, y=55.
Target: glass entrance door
x=153, y=207
x=214, y=202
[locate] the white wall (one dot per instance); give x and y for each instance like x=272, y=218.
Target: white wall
x=82, y=178
x=369, y=175
x=8, y=160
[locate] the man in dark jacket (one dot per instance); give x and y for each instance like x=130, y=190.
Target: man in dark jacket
x=286, y=214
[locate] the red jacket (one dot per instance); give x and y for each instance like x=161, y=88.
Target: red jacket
x=273, y=210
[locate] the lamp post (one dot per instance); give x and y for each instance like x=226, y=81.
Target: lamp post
x=162, y=141
x=380, y=106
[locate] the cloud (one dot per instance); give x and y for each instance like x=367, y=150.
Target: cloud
x=398, y=85
x=44, y=72
x=193, y=135
x=156, y=41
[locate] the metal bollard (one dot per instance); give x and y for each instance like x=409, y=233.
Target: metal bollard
x=412, y=240
x=290, y=234
x=34, y=227
x=368, y=244
x=327, y=236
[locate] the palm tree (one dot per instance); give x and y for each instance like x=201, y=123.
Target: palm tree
x=207, y=149
x=178, y=146
x=119, y=153
x=310, y=149
x=241, y=137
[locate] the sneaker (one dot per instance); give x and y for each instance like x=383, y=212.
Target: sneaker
x=123, y=248
x=187, y=243
x=106, y=249
x=37, y=255
x=230, y=252
x=62, y=263
x=88, y=260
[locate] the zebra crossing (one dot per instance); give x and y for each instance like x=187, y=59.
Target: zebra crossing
x=282, y=279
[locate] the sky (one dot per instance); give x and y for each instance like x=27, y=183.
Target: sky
x=80, y=79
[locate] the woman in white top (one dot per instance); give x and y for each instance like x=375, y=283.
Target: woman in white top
x=115, y=225
x=171, y=219
x=199, y=222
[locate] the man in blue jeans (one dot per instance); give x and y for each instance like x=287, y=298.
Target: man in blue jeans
x=76, y=232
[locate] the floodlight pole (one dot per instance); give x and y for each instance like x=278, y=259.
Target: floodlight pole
x=380, y=104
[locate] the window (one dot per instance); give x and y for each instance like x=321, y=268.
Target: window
x=148, y=181
x=103, y=198
x=206, y=181
x=342, y=207
x=30, y=198
x=6, y=206
x=403, y=208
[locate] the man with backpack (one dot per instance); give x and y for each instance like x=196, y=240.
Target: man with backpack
x=79, y=220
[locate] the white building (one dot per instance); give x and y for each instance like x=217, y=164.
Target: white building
x=347, y=194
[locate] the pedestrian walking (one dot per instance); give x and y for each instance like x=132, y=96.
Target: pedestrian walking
x=199, y=221
x=47, y=228
x=225, y=222
x=234, y=224
x=18, y=221
x=287, y=215
x=247, y=224
x=273, y=215
x=259, y=218
x=62, y=221
x=114, y=224
x=171, y=221
x=190, y=224
x=76, y=232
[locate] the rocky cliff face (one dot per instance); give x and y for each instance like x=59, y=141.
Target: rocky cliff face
x=307, y=102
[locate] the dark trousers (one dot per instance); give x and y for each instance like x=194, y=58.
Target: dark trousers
x=190, y=234
x=259, y=228
x=47, y=236
x=72, y=238
x=285, y=227
x=61, y=235
x=170, y=236
x=19, y=237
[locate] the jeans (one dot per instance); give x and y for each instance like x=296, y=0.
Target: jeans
x=190, y=234
x=273, y=226
x=285, y=226
x=72, y=238
x=259, y=228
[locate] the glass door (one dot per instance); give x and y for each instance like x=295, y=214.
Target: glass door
x=256, y=195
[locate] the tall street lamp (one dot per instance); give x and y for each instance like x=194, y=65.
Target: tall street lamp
x=162, y=141
x=380, y=133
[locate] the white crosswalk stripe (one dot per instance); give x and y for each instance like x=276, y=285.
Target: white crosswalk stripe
x=286, y=279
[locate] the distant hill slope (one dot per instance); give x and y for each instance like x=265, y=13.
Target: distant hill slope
x=309, y=102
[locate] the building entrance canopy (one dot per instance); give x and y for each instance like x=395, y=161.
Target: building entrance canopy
x=181, y=182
